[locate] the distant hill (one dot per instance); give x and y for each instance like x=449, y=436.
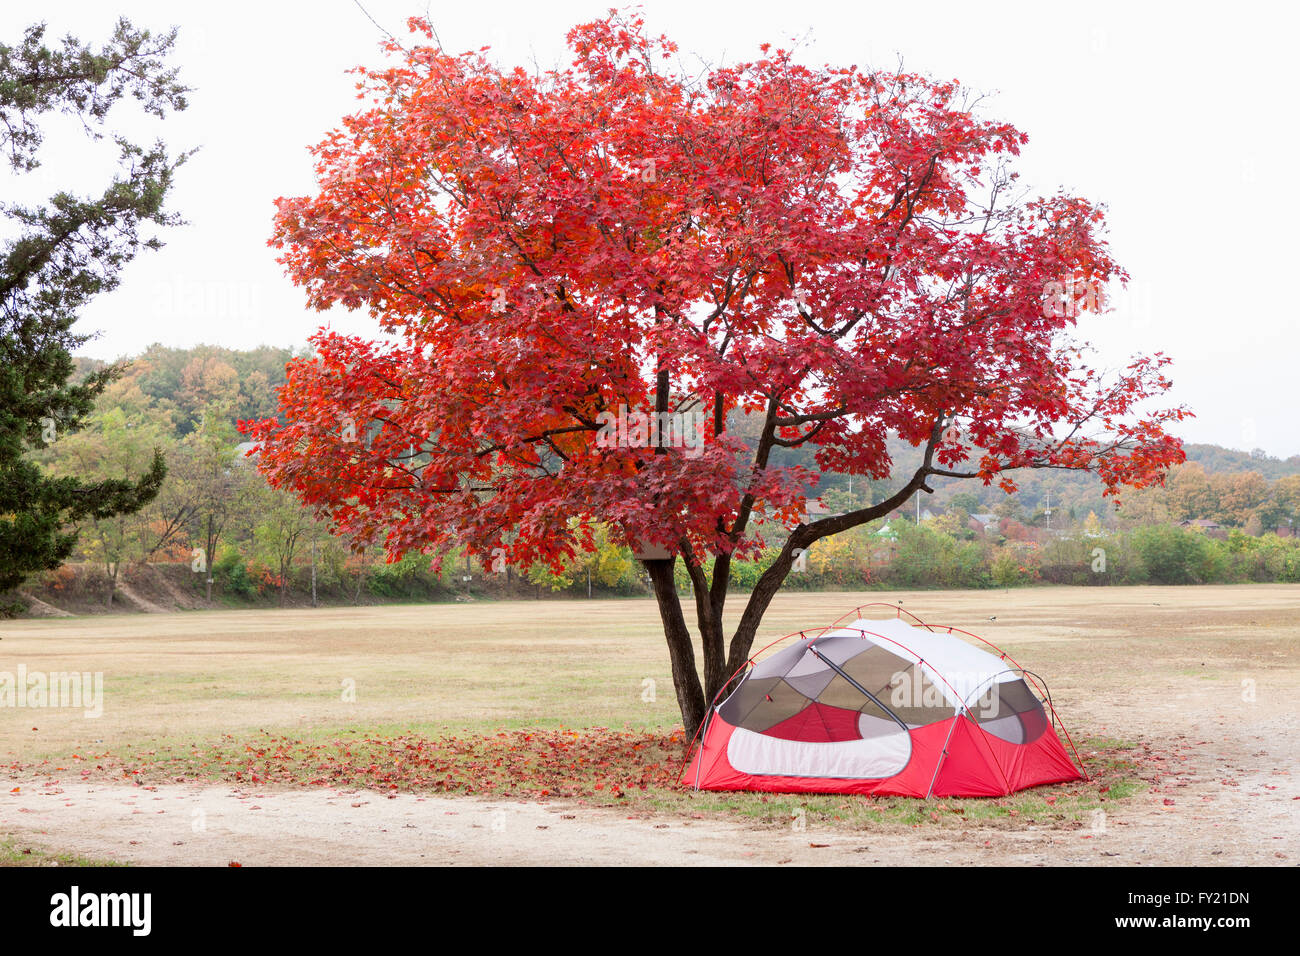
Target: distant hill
x=1215, y=458
x=1071, y=495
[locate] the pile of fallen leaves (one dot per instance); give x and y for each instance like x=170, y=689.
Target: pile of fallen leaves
x=592, y=763
x=594, y=766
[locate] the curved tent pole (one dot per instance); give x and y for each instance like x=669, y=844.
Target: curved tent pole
x=1057, y=717
x=919, y=659
x=1033, y=678
x=896, y=607
x=928, y=626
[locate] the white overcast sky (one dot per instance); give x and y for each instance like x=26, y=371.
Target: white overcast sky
x=1180, y=117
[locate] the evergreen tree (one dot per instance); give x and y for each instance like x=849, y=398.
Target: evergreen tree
x=58, y=255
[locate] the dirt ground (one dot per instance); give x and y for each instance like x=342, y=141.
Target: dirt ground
x=1209, y=677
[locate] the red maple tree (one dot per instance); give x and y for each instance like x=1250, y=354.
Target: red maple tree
x=590, y=275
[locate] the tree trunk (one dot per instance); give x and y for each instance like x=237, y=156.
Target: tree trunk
x=681, y=653
x=110, y=571
x=709, y=601
x=742, y=642
x=209, y=555
x=720, y=660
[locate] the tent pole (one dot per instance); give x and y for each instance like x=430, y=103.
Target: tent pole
x=704, y=733
x=942, y=753
x=875, y=700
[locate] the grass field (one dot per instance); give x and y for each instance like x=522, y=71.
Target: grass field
x=1154, y=672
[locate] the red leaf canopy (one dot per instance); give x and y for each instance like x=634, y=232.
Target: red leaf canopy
x=836, y=254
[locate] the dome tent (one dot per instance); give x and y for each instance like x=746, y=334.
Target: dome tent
x=882, y=707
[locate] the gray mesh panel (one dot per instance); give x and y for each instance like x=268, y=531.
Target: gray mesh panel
x=841, y=649
x=840, y=693
x=811, y=683
x=916, y=699
x=1012, y=712
x=876, y=668
x=759, y=704
x=780, y=662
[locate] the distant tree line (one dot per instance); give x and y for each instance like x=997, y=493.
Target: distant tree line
x=228, y=537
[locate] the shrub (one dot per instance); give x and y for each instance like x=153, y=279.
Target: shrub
x=1172, y=555
x=1012, y=570
x=233, y=575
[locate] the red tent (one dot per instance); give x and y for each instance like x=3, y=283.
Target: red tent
x=882, y=707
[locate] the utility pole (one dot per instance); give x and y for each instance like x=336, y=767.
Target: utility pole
x=313, y=568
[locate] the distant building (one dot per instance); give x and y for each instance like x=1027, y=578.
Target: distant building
x=1211, y=528
x=815, y=510
x=886, y=533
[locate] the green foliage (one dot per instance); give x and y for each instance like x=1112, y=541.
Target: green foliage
x=407, y=579
x=1173, y=555
x=1010, y=570
x=232, y=574
x=1290, y=570
x=745, y=574
x=927, y=558
x=544, y=576
x=185, y=384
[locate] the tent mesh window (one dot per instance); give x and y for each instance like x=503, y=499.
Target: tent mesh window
x=1010, y=711
x=815, y=691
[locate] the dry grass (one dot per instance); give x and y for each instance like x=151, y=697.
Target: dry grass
x=173, y=679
